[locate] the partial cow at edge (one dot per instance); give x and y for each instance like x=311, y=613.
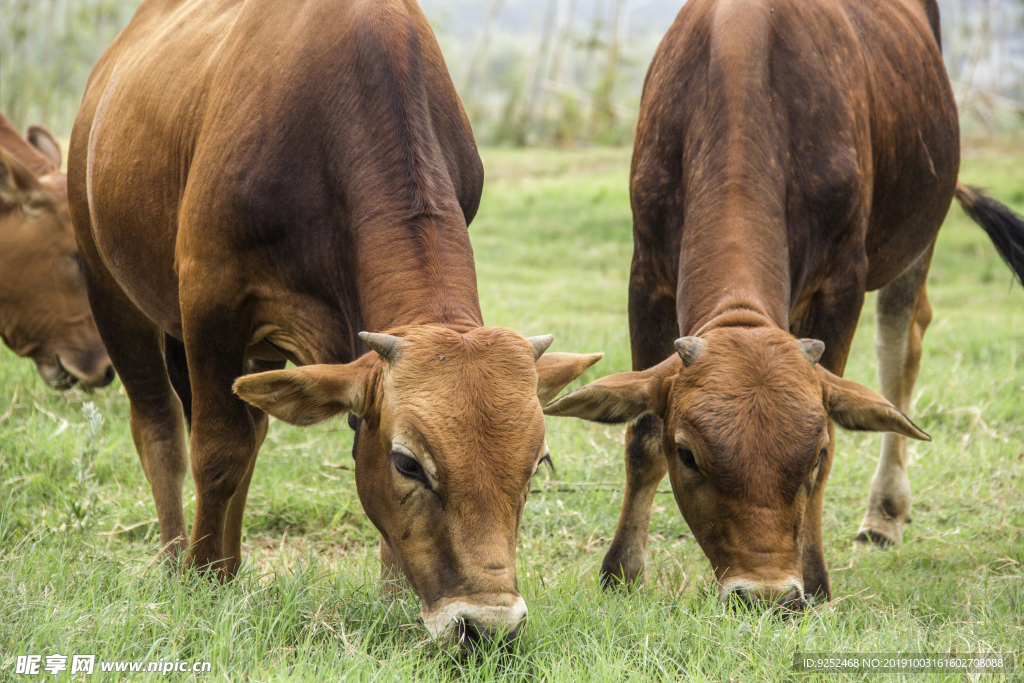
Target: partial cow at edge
x=790, y=156
x=44, y=310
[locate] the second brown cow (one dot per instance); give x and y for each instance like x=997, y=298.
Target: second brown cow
x=790, y=155
x=44, y=310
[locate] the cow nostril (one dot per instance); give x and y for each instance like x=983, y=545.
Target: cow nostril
x=793, y=600
x=472, y=634
x=741, y=596
x=109, y=376
x=515, y=633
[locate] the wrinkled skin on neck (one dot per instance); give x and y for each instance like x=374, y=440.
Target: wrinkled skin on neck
x=449, y=437
x=748, y=421
x=44, y=309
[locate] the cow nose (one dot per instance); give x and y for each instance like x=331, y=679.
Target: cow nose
x=108, y=376
x=474, y=623
x=743, y=597
x=793, y=600
x=473, y=634
x=788, y=599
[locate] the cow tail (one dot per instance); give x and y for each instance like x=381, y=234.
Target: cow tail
x=1004, y=227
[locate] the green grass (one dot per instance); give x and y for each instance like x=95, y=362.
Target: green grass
x=553, y=244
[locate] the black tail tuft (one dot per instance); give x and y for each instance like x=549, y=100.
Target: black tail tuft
x=1004, y=227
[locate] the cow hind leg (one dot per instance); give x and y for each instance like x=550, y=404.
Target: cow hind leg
x=136, y=348
x=903, y=315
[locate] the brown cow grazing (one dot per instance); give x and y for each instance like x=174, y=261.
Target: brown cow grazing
x=44, y=310
x=790, y=155
x=258, y=182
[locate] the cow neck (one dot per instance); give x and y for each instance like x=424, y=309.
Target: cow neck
x=730, y=266
x=418, y=271
x=735, y=246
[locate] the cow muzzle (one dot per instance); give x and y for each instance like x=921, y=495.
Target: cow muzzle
x=54, y=373
x=473, y=622
x=787, y=596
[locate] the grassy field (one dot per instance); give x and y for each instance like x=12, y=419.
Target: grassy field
x=553, y=243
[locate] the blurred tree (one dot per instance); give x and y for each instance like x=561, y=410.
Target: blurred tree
x=571, y=75
x=47, y=51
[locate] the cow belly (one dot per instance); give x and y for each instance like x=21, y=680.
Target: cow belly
x=145, y=273
x=138, y=252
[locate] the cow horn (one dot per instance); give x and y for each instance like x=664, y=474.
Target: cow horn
x=690, y=348
x=540, y=344
x=812, y=349
x=387, y=346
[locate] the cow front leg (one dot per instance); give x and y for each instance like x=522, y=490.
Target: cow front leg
x=236, y=509
x=224, y=437
x=903, y=316
x=814, y=570
x=653, y=328
x=645, y=468
x=391, y=576
x=831, y=317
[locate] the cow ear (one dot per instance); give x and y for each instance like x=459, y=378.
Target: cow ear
x=16, y=182
x=556, y=370
x=854, y=406
x=43, y=140
x=307, y=395
x=618, y=398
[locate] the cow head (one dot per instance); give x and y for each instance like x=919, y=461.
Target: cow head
x=44, y=310
x=747, y=417
x=451, y=433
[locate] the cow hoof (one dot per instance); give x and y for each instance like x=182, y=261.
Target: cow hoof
x=617, y=579
x=614, y=582
x=390, y=590
x=881, y=536
x=871, y=537
x=881, y=532
x=622, y=567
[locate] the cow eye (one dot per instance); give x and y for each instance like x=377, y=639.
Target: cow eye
x=686, y=457
x=821, y=456
x=408, y=467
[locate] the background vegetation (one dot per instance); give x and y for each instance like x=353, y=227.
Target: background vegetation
x=563, y=72
x=553, y=243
